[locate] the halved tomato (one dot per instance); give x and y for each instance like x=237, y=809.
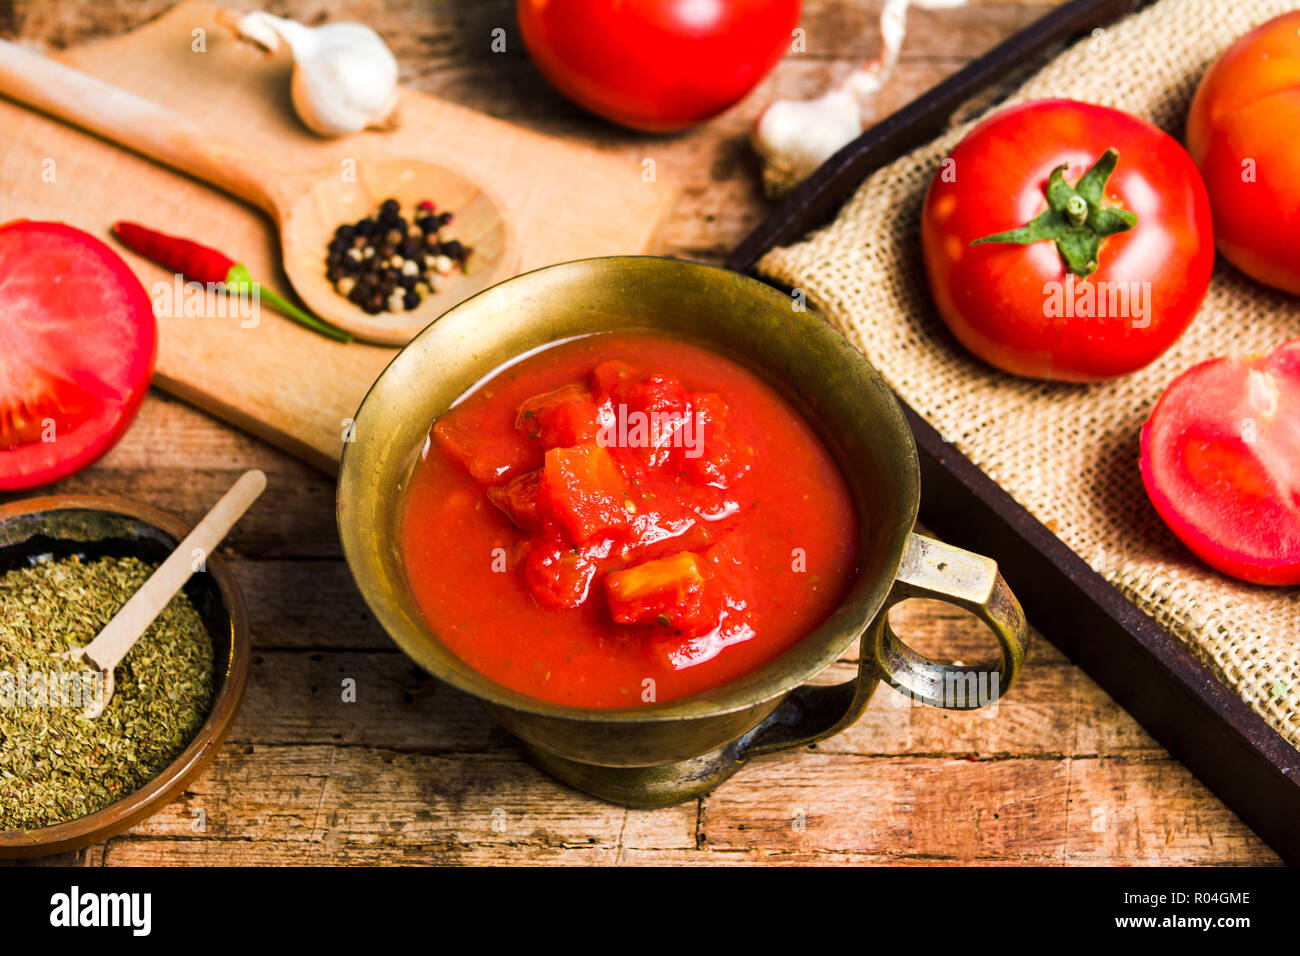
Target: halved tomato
x=1221, y=463
x=78, y=342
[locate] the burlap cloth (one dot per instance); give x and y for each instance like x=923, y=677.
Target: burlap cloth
x=1068, y=453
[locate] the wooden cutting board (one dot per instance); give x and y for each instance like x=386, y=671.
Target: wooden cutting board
x=291, y=387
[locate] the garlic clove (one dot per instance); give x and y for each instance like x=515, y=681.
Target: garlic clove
x=794, y=137
x=347, y=92
x=344, y=75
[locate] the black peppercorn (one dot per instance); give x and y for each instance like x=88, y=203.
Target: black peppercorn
x=392, y=259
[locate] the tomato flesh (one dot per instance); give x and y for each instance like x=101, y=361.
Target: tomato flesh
x=583, y=491
x=1221, y=463
x=559, y=419
x=517, y=498
x=672, y=591
x=78, y=343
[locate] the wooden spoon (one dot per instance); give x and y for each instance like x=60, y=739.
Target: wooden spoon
x=307, y=206
x=128, y=625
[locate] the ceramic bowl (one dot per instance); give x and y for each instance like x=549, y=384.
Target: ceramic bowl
x=94, y=526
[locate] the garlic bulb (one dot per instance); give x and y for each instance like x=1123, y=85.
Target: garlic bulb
x=344, y=76
x=794, y=137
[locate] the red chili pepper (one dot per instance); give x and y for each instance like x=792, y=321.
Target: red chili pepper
x=180, y=255
x=208, y=266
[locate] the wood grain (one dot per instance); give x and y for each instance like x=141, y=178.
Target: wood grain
x=411, y=773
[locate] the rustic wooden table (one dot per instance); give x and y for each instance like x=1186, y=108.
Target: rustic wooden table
x=413, y=772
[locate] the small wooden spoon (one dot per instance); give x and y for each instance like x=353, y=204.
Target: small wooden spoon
x=307, y=206
x=127, y=626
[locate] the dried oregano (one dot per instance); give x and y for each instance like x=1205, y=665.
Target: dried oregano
x=55, y=764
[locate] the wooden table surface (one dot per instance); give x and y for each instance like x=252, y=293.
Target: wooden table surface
x=413, y=772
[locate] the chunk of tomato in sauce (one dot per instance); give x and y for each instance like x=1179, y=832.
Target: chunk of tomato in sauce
x=518, y=498
x=559, y=574
x=489, y=461
x=657, y=410
x=674, y=591
x=609, y=381
x=716, y=455
x=729, y=577
x=583, y=492
x=560, y=418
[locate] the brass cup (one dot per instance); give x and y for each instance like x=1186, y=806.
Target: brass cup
x=657, y=754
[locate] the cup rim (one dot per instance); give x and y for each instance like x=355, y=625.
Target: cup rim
x=155, y=793
x=723, y=699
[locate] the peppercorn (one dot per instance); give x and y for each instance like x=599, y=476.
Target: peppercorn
x=385, y=262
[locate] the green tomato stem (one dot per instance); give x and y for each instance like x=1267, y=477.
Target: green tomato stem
x=1075, y=218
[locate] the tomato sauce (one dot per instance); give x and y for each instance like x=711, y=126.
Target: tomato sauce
x=625, y=518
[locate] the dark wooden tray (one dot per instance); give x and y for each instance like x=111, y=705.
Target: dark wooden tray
x=1151, y=674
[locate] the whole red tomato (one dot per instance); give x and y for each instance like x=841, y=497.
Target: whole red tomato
x=1242, y=132
x=1067, y=241
x=656, y=65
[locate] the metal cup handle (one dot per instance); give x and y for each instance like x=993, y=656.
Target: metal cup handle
x=929, y=569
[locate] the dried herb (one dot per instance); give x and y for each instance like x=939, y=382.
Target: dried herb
x=55, y=764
